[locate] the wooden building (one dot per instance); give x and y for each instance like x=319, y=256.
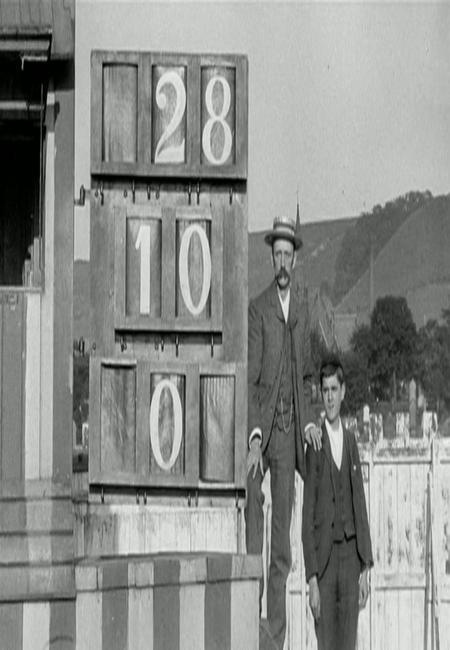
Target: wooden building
x=166, y=193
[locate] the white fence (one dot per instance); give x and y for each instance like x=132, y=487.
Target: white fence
x=395, y=618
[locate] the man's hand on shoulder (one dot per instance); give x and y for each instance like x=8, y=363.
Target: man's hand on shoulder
x=254, y=458
x=313, y=435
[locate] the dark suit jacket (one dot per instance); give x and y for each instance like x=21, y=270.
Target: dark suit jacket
x=266, y=328
x=318, y=506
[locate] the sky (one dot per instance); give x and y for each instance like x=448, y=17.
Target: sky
x=349, y=103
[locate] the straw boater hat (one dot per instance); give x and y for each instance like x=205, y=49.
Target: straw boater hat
x=283, y=228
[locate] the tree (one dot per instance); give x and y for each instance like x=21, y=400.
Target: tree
x=433, y=362
x=356, y=367
x=392, y=357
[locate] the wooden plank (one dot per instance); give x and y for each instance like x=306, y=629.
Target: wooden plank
x=217, y=427
x=167, y=423
x=11, y=617
x=118, y=418
x=168, y=257
x=114, y=619
x=89, y=620
x=194, y=261
x=169, y=104
x=32, y=385
x=36, y=625
x=115, y=100
x=140, y=619
x=13, y=379
x=94, y=417
x=192, y=446
x=61, y=431
x=62, y=624
x=102, y=274
x=192, y=628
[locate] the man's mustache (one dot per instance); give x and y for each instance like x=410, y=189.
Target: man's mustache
x=283, y=274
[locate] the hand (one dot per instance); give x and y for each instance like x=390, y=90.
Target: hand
x=313, y=435
x=254, y=458
x=363, y=588
x=314, y=598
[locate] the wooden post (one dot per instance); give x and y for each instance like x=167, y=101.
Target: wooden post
x=412, y=408
x=432, y=549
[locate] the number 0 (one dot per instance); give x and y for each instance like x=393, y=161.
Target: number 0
x=177, y=424
x=184, y=269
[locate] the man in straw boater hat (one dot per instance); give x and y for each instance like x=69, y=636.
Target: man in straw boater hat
x=280, y=419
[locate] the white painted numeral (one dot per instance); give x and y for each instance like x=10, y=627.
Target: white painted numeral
x=217, y=117
x=183, y=268
x=174, y=153
x=177, y=424
x=143, y=243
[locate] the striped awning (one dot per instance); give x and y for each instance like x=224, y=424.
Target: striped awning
x=27, y=24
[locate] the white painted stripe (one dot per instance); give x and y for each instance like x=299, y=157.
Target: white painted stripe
x=32, y=385
x=89, y=620
x=36, y=626
x=140, y=619
x=143, y=243
x=47, y=312
x=244, y=615
x=192, y=617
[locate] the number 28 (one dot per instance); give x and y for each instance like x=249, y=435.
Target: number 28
x=167, y=153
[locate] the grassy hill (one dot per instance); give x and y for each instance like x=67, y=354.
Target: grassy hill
x=415, y=263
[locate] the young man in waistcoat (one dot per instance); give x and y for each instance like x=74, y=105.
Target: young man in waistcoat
x=279, y=415
x=335, y=528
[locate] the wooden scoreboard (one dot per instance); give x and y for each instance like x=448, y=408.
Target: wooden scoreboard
x=168, y=388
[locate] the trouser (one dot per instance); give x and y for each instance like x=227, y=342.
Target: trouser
x=279, y=457
x=339, y=598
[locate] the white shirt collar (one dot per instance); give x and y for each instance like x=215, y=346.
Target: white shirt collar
x=285, y=303
x=336, y=442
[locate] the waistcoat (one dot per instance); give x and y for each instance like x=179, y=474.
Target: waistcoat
x=284, y=411
x=344, y=520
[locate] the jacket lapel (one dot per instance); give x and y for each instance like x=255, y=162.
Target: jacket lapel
x=326, y=444
x=275, y=301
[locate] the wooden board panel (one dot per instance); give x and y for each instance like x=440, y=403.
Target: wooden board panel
x=218, y=127
x=143, y=267
x=118, y=419
x=12, y=306
x=217, y=428
x=169, y=102
x=167, y=423
x=194, y=263
x=166, y=114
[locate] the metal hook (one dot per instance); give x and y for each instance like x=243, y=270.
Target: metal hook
x=102, y=496
x=149, y=192
x=189, y=193
x=145, y=497
x=123, y=343
x=231, y=195
x=133, y=190
x=198, y=192
x=212, y=345
x=157, y=192
x=162, y=343
x=82, y=197
x=177, y=342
